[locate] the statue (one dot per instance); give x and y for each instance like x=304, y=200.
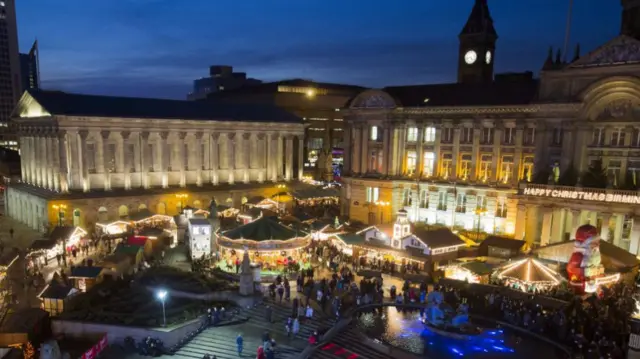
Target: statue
x=584, y=264
x=246, y=276
x=213, y=209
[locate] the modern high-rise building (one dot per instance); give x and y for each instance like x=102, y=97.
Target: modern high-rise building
x=29, y=68
x=10, y=80
x=221, y=78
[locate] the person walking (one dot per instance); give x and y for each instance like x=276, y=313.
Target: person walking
x=267, y=314
x=239, y=343
x=288, y=326
x=287, y=291
x=296, y=327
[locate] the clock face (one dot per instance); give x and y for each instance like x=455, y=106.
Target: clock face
x=470, y=57
x=487, y=57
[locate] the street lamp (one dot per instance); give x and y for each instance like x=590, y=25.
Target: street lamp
x=162, y=295
x=479, y=212
x=60, y=208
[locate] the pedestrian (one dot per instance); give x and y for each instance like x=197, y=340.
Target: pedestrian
x=260, y=353
x=287, y=326
x=296, y=327
x=11, y=233
x=309, y=312
x=301, y=311
x=287, y=291
x=280, y=292
x=239, y=343
x=267, y=314
x=58, y=256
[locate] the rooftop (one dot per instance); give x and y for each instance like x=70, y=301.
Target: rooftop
x=70, y=104
x=438, y=238
x=272, y=87
x=262, y=229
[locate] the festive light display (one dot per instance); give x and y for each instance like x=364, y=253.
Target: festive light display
x=529, y=272
x=585, y=270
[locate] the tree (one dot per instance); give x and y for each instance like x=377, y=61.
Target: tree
x=28, y=351
x=569, y=177
x=596, y=175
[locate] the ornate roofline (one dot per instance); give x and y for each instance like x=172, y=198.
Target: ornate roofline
x=532, y=108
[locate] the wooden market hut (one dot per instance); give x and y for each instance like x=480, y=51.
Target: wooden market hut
x=55, y=296
x=85, y=277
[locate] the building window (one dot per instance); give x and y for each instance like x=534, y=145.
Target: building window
x=508, y=136
x=110, y=158
x=527, y=169
x=617, y=137
x=633, y=167
x=424, y=199
x=429, y=134
x=506, y=169
x=530, y=136
x=429, y=163
x=446, y=165
x=375, y=163
x=374, y=133
x=373, y=194
x=314, y=143
x=412, y=159
x=486, y=137
x=91, y=157
x=557, y=136
x=461, y=203
x=597, y=137
x=481, y=203
x=613, y=169
x=442, y=201
x=412, y=134
x=467, y=135
x=485, y=167
x=465, y=167
x=130, y=156
x=501, y=208
x=635, y=140
x=406, y=197
x=447, y=135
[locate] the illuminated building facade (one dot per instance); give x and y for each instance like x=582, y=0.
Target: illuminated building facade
x=318, y=104
x=468, y=155
x=104, y=157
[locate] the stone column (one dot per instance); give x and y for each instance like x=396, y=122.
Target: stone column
x=199, y=157
x=289, y=158
x=456, y=153
x=356, y=150
x=34, y=158
x=495, y=158
x=617, y=230
x=82, y=153
x=402, y=139
x=634, y=236
x=231, y=155
x=557, y=226
x=364, y=150
x=386, y=152
x=127, y=162
x=145, y=161
x=521, y=218
x=575, y=222
x=347, y=149
x=280, y=158
x=604, y=231
x=517, y=156
x=183, y=164
x=103, y=157
x=246, y=156
x=262, y=156
x=55, y=161
x=48, y=146
x=215, y=158
x=38, y=159
x=272, y=150
x=545, y=235
x=164, y=158
x=301, y=155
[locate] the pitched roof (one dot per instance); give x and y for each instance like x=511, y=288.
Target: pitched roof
x=199, y=221
x=262, y=229
x=499, y=93
x=85, y=272
x=56, y=290
x=528, y=270
x=480, y=21
x=62, y=103
x=127, y=249
x=438, y=238
x=351, y=238
x=502, y=242
x=272, y=87
x=62, y=232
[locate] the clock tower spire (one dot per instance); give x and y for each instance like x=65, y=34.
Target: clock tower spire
x=477, y=45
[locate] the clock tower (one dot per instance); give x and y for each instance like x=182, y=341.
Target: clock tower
x=630, y=18
x=477, y=46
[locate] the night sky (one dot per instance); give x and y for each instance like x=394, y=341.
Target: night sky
x=156, y=48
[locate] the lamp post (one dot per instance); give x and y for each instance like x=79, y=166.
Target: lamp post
x=162, y=295
x=479, y=212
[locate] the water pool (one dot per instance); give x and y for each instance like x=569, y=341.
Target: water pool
x=404, y=330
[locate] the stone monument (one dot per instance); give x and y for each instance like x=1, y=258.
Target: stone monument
x=246, y=276
x=214, y=221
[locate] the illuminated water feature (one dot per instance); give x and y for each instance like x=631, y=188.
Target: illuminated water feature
x=406, y=331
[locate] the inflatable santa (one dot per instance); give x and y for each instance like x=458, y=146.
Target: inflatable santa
x=584, y=264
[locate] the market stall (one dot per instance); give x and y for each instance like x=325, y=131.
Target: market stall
x=145, y=219
x=315, y=196
x=113, y=228
x=528, y=274
x=269, y=243
x=471, y=272
x=199, y=237
x=48, y=248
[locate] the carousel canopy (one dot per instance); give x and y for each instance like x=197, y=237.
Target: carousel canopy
x=528, y=270
x=262, y=229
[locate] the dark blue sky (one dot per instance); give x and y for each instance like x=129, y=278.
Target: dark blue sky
x=155, y=48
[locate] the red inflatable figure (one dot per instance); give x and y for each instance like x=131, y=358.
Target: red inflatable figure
x=584, y=264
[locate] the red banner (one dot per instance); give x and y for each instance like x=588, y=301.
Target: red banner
x=96, y=349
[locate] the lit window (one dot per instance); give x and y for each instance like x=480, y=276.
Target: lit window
x=411, y=162
x=501, y=210
x=481, y=203
x=374, y=133
x=485, y=168
x=465, y=167
x=412, y=134
x=446, y=165
x=442, y=201
x=373, y=194
x=429, y=134
x=527, y=169
x=429, y=163
x=506, y=169
x=461, y=203
x=613, y=169
x=424, y=199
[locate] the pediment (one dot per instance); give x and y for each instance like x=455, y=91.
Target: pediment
x=29, y=107
x=621, y=50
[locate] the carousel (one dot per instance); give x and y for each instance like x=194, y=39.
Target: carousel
x=271, y=245
x=528, y=275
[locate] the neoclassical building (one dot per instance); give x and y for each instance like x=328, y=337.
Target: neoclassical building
x=508, y=153
x=95, y=158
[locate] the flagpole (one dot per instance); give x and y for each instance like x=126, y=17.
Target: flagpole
x=567, y=32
